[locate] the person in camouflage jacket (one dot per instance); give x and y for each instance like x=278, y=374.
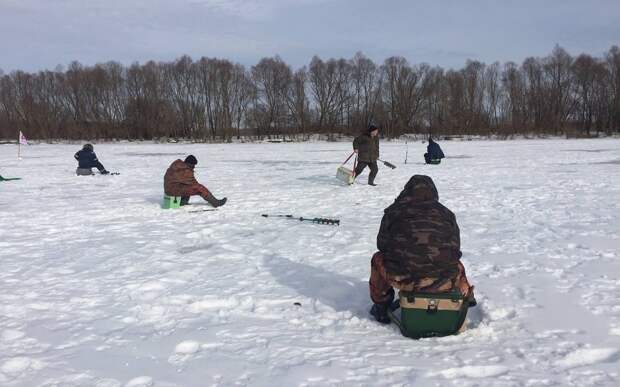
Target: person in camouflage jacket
x=419, y=248
x=179, y=180
x=366, y=146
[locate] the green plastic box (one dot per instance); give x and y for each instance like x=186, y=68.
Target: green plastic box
x=172, y=202
x=430, y=314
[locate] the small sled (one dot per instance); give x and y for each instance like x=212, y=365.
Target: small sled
x=345, y=174
x=429, y=314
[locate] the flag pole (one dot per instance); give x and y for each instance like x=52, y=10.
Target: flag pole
x=19, y=145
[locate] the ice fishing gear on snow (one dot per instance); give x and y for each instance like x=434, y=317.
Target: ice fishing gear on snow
x=171, y=202
x=429, y=314
x=344, y=174
x=388, y=164
x=334, y=222
x=406, y=151
x=9, y=178
x=89, y=172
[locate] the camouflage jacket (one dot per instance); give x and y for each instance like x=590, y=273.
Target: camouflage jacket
x=419, y=237
x=367, y=147
x=178, y=178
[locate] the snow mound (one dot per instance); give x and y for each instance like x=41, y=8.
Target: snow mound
x=583, y=357
x=141, y=381
x=187, y=347
x=16, y=365
x=12, y=334
x=471, y=372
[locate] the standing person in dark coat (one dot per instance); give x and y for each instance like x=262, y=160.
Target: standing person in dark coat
x=366, y=146
x=179, y=180
x=87, y=159
x=433, y=154
x=419, y=248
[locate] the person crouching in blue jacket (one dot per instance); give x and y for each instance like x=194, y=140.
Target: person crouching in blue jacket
x=433, y=154
x=87, y=159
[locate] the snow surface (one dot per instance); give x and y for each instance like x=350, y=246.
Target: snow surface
x=101, y=287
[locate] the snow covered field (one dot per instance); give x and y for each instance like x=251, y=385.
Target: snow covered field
x=99, y=286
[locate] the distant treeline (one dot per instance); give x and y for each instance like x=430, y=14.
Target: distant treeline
x=216, y=100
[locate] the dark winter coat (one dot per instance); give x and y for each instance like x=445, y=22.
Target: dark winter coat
x=367, y=147
x=87, y=159
x=418, y=236
x=434, y=150
x=179, y=178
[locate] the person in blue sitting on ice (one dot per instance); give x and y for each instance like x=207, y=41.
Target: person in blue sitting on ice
x=433, y=154
x=87, y=159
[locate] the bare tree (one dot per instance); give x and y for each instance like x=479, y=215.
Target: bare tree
x=297, y=101
x=367, y=82
x=271, y=77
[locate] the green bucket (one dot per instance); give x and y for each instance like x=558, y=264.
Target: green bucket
x=429, y=314
x=172, y=202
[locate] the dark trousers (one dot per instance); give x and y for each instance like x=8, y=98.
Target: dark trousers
x=374, y=169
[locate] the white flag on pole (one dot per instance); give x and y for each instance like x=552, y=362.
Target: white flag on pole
x=22, y=139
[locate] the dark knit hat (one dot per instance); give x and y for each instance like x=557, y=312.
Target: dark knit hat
x=191, y=160
x=88, y=147
x=372, y=127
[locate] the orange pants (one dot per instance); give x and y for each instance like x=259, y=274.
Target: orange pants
x=381, y=285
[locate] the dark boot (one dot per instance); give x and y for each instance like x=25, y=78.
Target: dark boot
x=379, y=312
x=184, y=200
x=215, y=202
x=472, y=301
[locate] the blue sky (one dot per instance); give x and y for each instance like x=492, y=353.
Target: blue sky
x=40, y=34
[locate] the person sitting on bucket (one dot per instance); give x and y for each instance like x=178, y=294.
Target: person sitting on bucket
x=179, y=180
x=87, y=159
x=433, y=154
x=419, y=249
x=366, y=146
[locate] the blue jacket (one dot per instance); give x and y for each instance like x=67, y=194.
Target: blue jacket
x=434, y=150
x=87, y=159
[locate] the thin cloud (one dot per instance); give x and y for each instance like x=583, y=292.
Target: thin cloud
x=38, y=34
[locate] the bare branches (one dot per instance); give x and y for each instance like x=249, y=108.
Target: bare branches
x=215, y=99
